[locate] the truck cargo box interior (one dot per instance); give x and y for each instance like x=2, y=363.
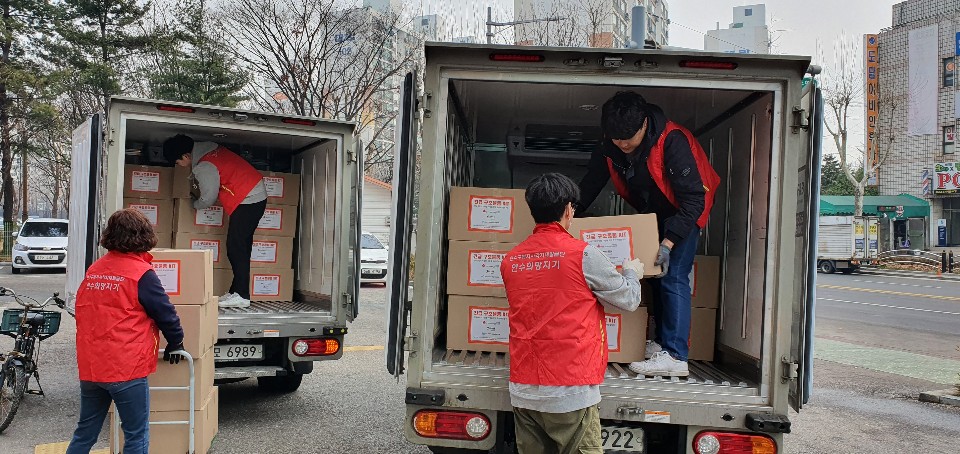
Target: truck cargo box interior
x=503, y=134
x=314, y=159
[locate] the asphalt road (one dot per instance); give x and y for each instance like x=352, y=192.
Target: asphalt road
x=861, y=402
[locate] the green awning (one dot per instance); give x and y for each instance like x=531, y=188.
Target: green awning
x=880, y=205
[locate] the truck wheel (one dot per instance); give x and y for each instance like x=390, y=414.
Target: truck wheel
x=14, y=270
x=283, y=384
x=827, y=267
x=446, y=450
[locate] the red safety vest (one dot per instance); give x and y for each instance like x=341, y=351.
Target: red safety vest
x=711, y=181
x=116, y=339
x=557, y=329
x=237, y=177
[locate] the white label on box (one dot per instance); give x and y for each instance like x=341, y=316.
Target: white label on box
x=491, y=214
x=662, y=417
x=212, y=245
x=274, y=186
x=266, y=285
x=272, y=219
x=264, y=252
x=485, y=268
x=616, y=244
x=613, y=332
x=169, y=274
x=142, y=181
x=150, y=211
x=210, y=217
x=489, y=325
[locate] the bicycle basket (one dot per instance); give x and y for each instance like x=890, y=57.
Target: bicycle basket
x=11, y=321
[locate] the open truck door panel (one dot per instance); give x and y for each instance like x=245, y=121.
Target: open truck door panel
x=325, y=245
x=498, y=116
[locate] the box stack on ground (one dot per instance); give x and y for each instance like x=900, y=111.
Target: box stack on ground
x=705, y=299
x=187, y=278
x=149, y=190
x=483, y=225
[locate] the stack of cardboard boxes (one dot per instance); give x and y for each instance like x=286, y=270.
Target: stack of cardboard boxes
x=149, y=189
x=187, y=278
x=705, y=299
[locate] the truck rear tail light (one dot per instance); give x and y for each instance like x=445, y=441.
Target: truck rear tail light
x=522, y=58
x=298, y=121
x=315, y=347
x=699, y=64
x=168, y=108
x=733, y=443
x=453, y=425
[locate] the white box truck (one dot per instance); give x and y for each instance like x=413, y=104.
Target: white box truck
x=257, y=341
x=761, y=129
x=844, y=243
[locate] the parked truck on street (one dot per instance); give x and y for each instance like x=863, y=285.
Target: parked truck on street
x=498, y=116
x=845, y=243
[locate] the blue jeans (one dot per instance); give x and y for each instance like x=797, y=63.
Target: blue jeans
x=133, y=405
x=671, y=308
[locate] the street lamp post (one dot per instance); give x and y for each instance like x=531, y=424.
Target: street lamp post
x=491, y=23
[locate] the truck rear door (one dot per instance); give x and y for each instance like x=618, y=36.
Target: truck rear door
x=401, y=228
x=85, y=166
x=808, y=207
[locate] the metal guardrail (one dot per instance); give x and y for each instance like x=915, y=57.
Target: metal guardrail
x=938, y=261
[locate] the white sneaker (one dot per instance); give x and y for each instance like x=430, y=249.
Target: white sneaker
x=235, y=301
x=227, y=297
x=652, y=348
x=661, y=364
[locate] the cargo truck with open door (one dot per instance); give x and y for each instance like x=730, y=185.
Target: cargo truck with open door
x=498, y=116
x=275, y=341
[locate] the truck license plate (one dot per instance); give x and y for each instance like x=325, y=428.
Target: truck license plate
x=237, y=352
x=369, y=271
x=46, y=257
x=621, y=439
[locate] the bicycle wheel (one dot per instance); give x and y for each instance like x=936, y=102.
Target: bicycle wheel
x=13, y=383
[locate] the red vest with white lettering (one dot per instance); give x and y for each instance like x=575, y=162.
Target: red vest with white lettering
x=116, y=339
x=711, y=181
x=237, y=177
x=557, y=326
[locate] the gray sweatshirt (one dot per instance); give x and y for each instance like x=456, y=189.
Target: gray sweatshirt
x=208, y=178
x=610, y=287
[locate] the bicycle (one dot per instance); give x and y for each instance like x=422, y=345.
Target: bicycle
x=27, y=326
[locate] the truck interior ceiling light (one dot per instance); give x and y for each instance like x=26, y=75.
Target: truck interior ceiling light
x=733, y=443
x=700, y=64
x=523, y=58
x=453, y=425
x=298, y=121
x=169, y=108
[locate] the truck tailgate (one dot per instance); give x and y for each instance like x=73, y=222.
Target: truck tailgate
x=277, y=318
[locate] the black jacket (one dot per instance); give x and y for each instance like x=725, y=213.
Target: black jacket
x=680, y=170
x=157, y=306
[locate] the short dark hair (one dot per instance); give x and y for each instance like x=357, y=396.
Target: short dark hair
x=623, y=115
x=548, y=196
x=175, y=147
x=128, y=230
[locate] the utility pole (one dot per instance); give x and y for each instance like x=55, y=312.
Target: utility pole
x=491, y=23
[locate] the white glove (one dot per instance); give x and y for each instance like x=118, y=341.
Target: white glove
x=634, y=265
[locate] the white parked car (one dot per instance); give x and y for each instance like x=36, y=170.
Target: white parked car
x=373, y=260
x=40, y=243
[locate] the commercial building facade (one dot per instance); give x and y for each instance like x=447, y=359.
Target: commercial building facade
x=747, y=34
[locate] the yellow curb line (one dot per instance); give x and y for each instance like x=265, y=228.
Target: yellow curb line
x=363, y=348
x=889, y=292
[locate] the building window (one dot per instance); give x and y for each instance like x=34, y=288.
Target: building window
x=949, y=69
x=949, y=137
x=748, y=12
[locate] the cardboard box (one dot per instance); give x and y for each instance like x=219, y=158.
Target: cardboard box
x=199, y=324
x=266, y=284
x=488, y=214
x=183, y=183
x=217, y=244
x=173, y=438
x=186, y=275
x=271, y=252
x=278, y=220
x=703, y=333
x=473, y=268
x=159, y=212
x=626, y=334
x=282, y=188
x=705, y=282
x=179, y=375
x=478, y=324
x=164, y=241
x=147, y=182
x=622, y=238
x=212, y=220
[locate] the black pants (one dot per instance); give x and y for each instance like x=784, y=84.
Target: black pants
x=243, y=223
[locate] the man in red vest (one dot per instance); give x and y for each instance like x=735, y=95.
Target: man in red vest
x=223, y=175
x=558, y=344
x=121, y=309
x=658, y=167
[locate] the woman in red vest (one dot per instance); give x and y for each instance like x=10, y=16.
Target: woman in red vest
x=558, y=347
x=121, y=306
x=223, y=175
x=658, y=167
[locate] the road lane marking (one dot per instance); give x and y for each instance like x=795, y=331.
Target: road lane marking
x=888, y=306
x=914, y=365
x=894, y=283
x=889, y=292
x=362, y=348
x=915, y=278
x=60, y=448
